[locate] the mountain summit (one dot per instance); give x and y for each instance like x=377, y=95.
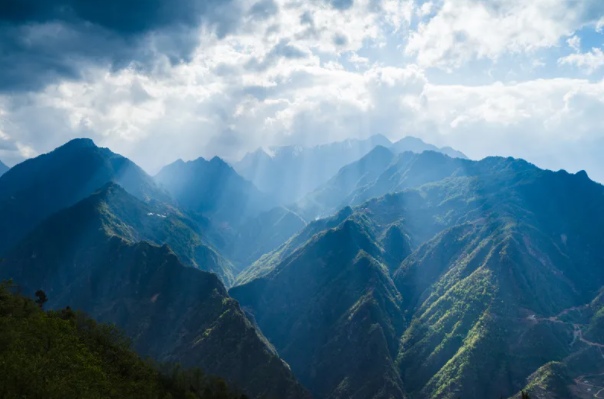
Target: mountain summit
x=213, y=188
x=41, y=186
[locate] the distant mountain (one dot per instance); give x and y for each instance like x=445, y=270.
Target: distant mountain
x=214, y=189
x=418, y=146
x=262, y=234
x=289, y=173
x=83, y=257
x=334, y=314
x=497, y=262
x=36, y=188
x=379, y=172
x=3, y=168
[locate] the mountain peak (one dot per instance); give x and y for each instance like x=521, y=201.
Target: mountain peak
x=216, y=160
x=79, y=143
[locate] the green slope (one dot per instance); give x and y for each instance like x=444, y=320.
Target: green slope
x=65, y=354
x=333, y=313
x=81, y=257
x=35, y=189
x=491, y=259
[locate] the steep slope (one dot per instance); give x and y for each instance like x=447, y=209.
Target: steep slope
x=262, y=234
x=39, y=187
x=495, y=255
x=125, y=216
x=214, y=189
x=288, y=173
x=333, y=313
x=380, y=172
x=267, y=262
x=3, y=168
x=486, y=296
x=174, y=313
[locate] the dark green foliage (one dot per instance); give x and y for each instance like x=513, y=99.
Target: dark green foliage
x=41, y=298
x=64, y=354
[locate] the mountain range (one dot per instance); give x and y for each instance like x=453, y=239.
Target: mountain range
x=488, y=271
x=406, y=273
x=288, y=173
x=35, y=189
x=86, y=256
x=213, y=188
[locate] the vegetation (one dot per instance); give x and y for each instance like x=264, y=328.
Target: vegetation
x=65, y=354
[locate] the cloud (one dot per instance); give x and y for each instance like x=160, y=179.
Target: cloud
x=264, y=9
x=283, y=49
x=285, y=75
x=464, y=30
x=43, y=41
x=589, y=62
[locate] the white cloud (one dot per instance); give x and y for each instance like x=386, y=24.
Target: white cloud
x=462, y=30
x=589, y=62
x=575, y=43
x=282, y=79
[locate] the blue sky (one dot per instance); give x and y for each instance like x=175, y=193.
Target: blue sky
x=204, y=78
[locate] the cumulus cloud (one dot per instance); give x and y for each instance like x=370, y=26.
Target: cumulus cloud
x=463, y=30
x=589, y=62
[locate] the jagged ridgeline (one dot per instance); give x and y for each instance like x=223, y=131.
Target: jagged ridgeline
x=86, y=257
x=403, y=275
x=479, y=299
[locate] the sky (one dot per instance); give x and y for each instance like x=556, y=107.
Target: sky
x=160, y=80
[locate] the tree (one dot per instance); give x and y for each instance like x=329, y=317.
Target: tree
x=525, y=395
x=42, y=299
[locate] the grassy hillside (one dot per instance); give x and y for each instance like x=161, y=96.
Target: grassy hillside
x=64, y=354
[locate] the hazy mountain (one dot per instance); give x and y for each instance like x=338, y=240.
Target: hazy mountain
x=418, y=146
x=214, y=189
x=262, y=234
x=495, y=256
x=381, y=171
x=269, y=261
x=3, y=168
x=81, y=258
x=36, y=188
x=288, y=173
x=334, y=315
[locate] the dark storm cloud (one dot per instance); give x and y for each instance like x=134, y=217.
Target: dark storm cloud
x=45, y=40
